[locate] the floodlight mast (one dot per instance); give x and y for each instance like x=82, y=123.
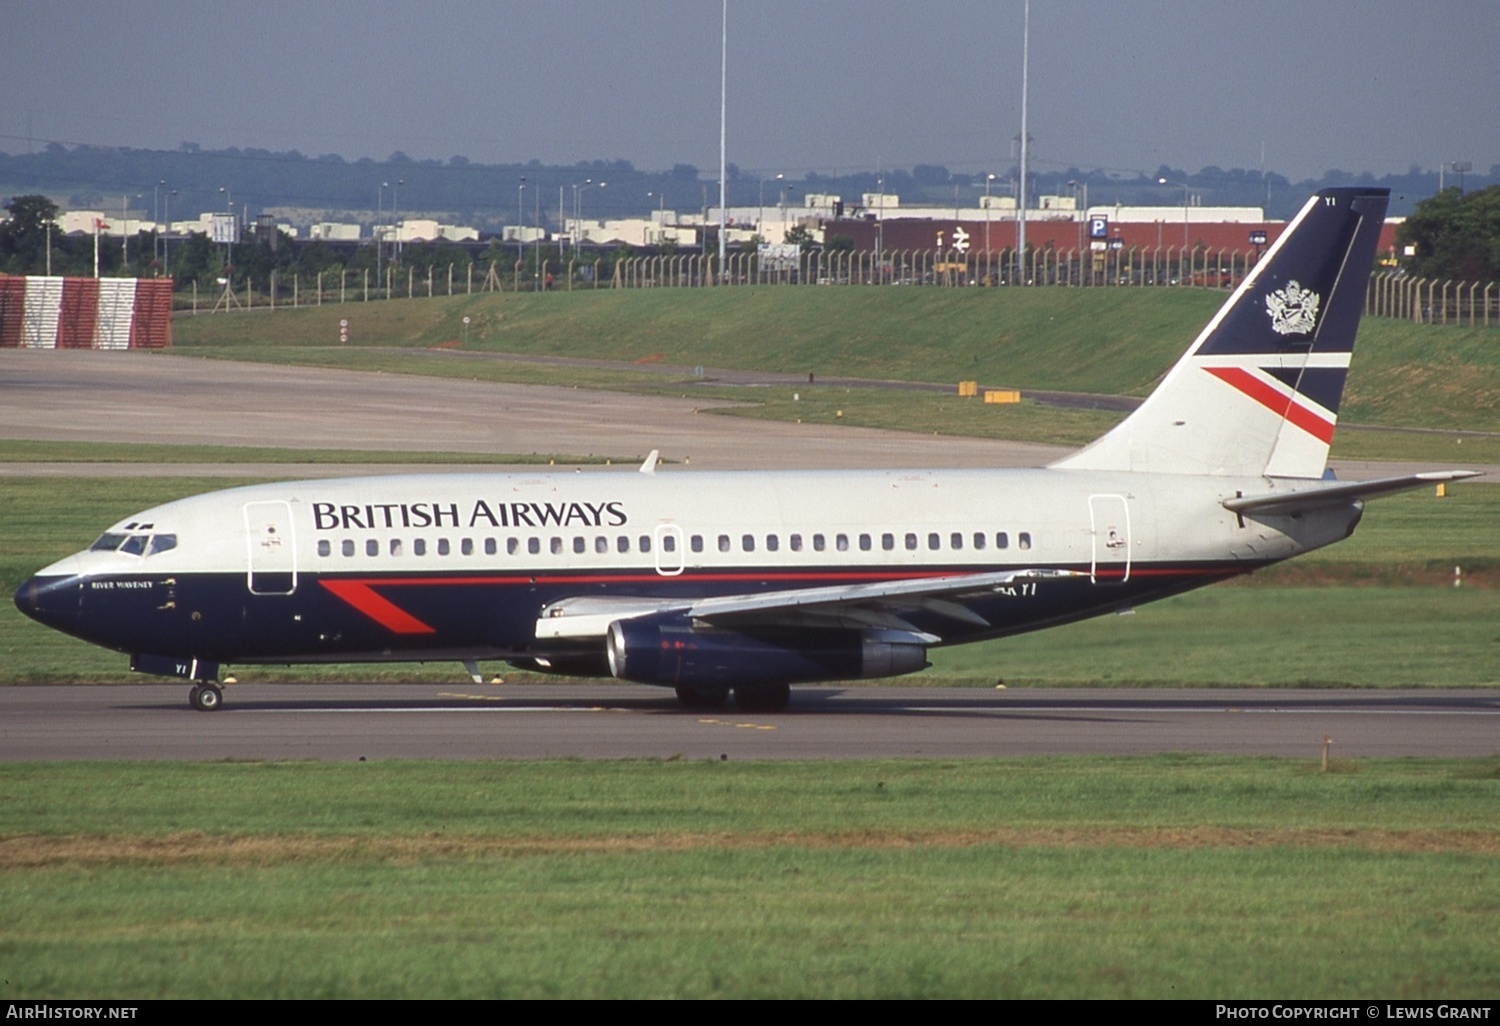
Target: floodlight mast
x=723, y=87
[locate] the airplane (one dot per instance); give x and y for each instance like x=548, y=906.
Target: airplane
x=743, y=583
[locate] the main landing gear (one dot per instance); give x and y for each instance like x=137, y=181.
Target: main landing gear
x=206, y=696
x=749, y=697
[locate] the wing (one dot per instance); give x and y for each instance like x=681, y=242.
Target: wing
x=1319, y=495
x=880, y=604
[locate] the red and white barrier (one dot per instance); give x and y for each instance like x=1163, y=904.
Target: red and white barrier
x=39, y=312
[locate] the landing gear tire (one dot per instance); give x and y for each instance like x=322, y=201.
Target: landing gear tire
x=763, y=697
x=703, y=698
x=206, y=697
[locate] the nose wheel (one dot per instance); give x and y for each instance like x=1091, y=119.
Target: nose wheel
x=206, y=697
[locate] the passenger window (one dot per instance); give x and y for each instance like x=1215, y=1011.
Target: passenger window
x=979, y=539
x=841, y=542
x=1002, y=540
x=772, y=543
x=533, y=545
x=934, y=541
x=645, y=543
x=697, y=543
x=1023, y=540
x=795, y=541
x=324, y=549
x=372, y=547
x=723, y=543
x=419, y=546
x=911, y=541
x=888, y=541
x=956, y=541
x=466, y=546
x=442, y=546
x=622, y=543
x=818, y=543
x=347, y=548
x=601, y=544
x=864, y=543
x=395, y=546
x=747, y=543
x=556, y=546
x=490, y=548
x=161, y=543
x=512, y=546
x=669, y=543
x=580, y=544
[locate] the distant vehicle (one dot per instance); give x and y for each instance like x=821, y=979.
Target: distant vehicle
x=720, y=584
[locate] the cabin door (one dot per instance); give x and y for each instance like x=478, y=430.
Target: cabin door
x=1109, y=527
x=272, y=547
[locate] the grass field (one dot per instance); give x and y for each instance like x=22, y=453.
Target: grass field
x=1086, y=340
x=1177, y=876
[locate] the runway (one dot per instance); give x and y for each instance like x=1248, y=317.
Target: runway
x=347, y=722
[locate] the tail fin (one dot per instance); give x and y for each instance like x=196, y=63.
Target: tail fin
x=1258, y=392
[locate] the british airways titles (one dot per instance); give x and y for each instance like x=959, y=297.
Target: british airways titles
x=329, y=516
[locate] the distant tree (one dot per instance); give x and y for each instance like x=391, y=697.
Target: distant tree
x=799, y=237
x=685, y=172
x=931, y=174
x=23, y=238
x=838, y=244
x=1454, y=236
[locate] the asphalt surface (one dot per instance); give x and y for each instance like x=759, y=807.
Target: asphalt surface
x=342, y=722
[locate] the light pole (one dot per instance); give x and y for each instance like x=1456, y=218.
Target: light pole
x=587, y=183
x=380, y=230
x=520, y=224
x=1186, y=191
x=166, y=256
x=156, y=218
x=229, y=245
x=760, y=217
x=988, y=178
x=395, y=222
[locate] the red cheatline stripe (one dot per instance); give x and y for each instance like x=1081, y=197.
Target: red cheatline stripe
x=361, y=596
x=1239, y=378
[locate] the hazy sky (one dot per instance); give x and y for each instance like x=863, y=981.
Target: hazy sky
x=824, y=85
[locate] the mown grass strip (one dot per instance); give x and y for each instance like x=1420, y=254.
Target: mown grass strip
x=16, y=450
x=1172, y=876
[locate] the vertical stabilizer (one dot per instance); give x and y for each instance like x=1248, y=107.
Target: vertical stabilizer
x=1258, y=392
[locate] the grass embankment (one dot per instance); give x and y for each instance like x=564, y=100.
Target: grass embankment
x=1402, y=624
x=1084, y=340
x=1195, y=877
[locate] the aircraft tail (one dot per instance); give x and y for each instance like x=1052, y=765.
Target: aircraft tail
x=1258, y=392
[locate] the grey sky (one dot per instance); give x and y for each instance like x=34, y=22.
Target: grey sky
x=825, y=85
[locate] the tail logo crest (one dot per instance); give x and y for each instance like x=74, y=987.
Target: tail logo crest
x=1294, y=309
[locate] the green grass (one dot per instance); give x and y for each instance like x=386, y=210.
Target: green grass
x=1174, y=876
x=1087, y=340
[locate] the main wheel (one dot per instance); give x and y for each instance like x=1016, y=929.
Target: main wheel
x=703, y=697
x=206, y=697
x=763, y=697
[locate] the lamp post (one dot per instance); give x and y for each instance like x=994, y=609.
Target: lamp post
x=761, y=216
x=380, y=230
x=520, y=224
x=156, y=218
x=166, y=256
x=229, y=246
x=587, y=183
x=988, y=178
x=1186, y=190
x=395, y=229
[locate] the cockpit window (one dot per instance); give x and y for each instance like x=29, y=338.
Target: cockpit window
x=134, y=544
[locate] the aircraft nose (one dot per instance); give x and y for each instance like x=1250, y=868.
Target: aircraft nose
x=54, y=601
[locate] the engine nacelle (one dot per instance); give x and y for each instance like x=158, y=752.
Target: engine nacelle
x=674, y=653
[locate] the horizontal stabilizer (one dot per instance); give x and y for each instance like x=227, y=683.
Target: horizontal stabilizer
x=1303, y=497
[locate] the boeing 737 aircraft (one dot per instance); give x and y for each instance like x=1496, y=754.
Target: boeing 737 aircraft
x=747, y=582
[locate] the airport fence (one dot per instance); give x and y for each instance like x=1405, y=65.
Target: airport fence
x=1390, y=294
